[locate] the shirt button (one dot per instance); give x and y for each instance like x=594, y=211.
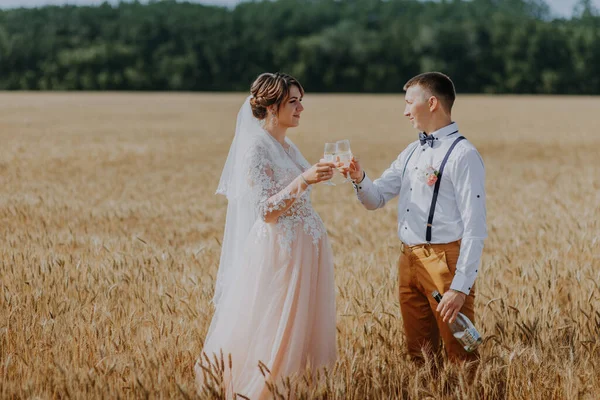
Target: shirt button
x=478, y=196
x=360, y=187
x=407, y=210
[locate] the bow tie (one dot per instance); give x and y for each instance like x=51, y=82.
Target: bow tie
x=424, y=138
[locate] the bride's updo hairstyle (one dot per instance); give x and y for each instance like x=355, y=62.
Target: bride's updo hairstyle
x=271, y=89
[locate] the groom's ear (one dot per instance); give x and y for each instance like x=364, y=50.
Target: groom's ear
x=433, y=103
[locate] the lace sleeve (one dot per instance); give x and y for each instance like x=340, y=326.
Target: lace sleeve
x=268, y=196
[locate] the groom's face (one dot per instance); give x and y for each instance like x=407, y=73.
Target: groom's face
x=417, y=107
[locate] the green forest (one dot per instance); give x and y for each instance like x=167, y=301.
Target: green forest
x=486, y=46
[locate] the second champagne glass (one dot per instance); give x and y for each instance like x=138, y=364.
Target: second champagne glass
x=345, y=154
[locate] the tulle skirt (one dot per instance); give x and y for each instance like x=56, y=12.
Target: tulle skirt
x=280, y=310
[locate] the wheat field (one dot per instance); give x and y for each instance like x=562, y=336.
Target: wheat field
x=111, y=232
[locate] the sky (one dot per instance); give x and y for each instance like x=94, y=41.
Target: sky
x=562, y=8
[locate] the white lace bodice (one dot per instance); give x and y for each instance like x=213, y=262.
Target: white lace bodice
x=268, y=178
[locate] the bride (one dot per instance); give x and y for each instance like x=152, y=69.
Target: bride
x=275, y=295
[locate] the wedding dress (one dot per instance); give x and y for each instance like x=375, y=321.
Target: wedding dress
x=275, y=294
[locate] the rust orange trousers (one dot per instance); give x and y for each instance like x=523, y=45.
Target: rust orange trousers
x=421, y=270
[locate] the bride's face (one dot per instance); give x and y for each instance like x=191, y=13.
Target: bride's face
x=290, y=109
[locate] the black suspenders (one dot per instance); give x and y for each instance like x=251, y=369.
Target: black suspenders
x=436, y=190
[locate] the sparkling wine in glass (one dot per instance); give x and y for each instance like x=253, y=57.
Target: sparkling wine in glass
x=329, y=155
x=345, y=154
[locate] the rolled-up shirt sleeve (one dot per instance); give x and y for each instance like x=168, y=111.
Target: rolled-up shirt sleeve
x=468, y=176
x=374, y=195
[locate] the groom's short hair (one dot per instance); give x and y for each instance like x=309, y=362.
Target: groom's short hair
x=438, y=84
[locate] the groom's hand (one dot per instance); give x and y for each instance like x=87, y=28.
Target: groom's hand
x=451, y=303
x=355, y=170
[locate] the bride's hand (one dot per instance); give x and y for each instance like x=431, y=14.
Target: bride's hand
x=321, y=171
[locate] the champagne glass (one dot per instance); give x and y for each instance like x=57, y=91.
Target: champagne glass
x=329, y=155
x=345, y=155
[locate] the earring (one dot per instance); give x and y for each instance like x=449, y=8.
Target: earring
x=274, y=120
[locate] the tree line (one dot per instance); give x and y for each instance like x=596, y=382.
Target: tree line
x=486, y=46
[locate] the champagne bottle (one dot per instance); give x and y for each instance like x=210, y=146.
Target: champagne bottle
x=462, y=328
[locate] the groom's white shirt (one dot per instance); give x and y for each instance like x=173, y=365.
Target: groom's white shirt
x=460, y=211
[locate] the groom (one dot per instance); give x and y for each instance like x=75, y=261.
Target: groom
x=441, y=217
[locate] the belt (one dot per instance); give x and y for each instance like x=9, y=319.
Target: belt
x=404, y=248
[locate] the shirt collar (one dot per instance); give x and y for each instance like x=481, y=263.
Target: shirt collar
x=449, y=131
